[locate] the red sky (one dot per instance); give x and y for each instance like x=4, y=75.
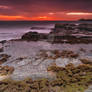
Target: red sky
x=45, y=9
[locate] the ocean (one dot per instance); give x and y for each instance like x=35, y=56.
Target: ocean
x=15, y=29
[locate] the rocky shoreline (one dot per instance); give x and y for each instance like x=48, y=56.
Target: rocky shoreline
x=51, y=68
x=61, y=71
x=64, y=33
x=72, y=76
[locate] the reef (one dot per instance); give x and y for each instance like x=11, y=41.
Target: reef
x=68, y=79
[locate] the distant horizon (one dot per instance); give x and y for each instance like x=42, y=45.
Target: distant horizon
x=42, y=20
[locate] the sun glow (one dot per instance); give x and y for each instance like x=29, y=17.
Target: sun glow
x=6, y=17
x=78, y=13
x=43, y=17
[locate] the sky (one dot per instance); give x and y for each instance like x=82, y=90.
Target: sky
x=45, y=9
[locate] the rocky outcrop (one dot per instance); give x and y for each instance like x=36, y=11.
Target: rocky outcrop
x=71, y=33
x=34, y=36
x=63, y=33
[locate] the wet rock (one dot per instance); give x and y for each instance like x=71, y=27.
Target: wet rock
x=71, y=33
x=3, y=58
x=82, y=50
x=47, y=62
x=68, y=79
x=4, y=41
x=69, y=54
x=62, y=62
x=37, y=62
x=1, y=49
x=86, y=61
x=49, y=54
x=34, y=36
x=6, y=70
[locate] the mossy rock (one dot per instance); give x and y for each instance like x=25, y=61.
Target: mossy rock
x=86, y=61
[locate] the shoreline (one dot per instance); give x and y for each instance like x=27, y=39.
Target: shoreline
x=58, y=66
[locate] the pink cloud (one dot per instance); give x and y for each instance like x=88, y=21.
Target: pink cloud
x=4, y=7
x=79, y=13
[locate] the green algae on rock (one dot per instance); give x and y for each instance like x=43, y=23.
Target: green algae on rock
x=79, y=77
x=6, y=70
x=68, y=79
x=3, y=58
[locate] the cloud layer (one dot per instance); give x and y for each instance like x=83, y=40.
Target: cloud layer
x=51, y=9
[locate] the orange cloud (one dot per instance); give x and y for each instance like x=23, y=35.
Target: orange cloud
x=42, y=18
x=78, y=13
x=6, y=17
x=63, y=16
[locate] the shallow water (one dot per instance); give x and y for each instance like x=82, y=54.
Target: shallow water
x=29, y=67
x=25, y=49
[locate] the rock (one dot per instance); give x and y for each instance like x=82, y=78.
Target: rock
x=37, y=62
x=71, y=33
x=4, y=41
x=3, y=58
x=69, y=54
x=47, y=62
x=82, y=50
x=86, y=61
x=50, y=54
x=1, y=49
x=62, y=62
x=34, y=36
x=6, y=70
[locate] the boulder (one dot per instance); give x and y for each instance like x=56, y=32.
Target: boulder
x=34, y=36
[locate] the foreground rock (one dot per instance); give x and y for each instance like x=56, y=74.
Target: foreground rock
x=6, y=70
x=3, y=58
x=68, y=79
x=66, y=73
